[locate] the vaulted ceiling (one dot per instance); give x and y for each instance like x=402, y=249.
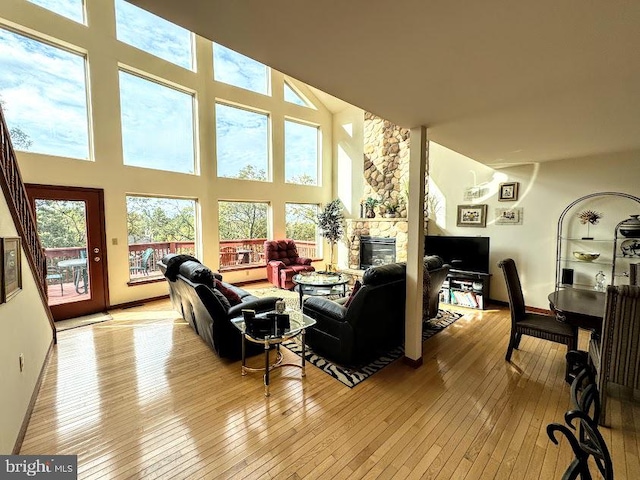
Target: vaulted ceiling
x=500, y=81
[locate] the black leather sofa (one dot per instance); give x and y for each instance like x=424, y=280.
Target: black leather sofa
x=373, y=322
x=434, y=274
x=206, y=309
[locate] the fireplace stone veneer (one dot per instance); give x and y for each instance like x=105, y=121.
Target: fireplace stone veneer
x=376, y=227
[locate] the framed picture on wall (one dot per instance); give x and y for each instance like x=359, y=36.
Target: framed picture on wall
x=472, y=216
x=508, y=216
x=508, y=192
x=11, y=276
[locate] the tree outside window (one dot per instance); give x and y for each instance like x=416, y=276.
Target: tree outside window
x=301, y=226
x=164, y=225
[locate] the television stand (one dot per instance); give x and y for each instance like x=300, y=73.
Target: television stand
x=466, y=289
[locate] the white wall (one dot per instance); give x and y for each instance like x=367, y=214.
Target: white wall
x=107, y=171
x=545, y=190
x=24, y=328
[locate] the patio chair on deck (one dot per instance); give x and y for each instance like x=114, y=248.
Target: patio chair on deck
x=55, y=275
x=144, y=263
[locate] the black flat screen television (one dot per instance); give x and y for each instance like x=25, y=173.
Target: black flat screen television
x=462, y=253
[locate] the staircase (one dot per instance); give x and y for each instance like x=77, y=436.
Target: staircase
x=23, y=218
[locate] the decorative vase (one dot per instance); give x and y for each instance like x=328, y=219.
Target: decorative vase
x=370, y=213
x=630, y=228
x=390, y=215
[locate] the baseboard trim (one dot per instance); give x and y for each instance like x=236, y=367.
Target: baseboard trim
x=528, y=309
x=411, y=362
x=34, y=396
x=137, y=303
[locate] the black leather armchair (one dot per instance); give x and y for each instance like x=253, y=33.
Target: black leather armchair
x=207, y=310
x=373, y=322
x=435, y=273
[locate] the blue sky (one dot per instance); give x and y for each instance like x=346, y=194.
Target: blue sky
x=44, y=91
x=157, y=125
x=73, y=9
x=153, y=34
x=300, y=150
x=242, y=140
x=238, y=70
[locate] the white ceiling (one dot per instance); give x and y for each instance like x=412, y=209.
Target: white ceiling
x=501, y=81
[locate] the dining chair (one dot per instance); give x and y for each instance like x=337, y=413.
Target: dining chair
x=616, y=353
x=546, y=327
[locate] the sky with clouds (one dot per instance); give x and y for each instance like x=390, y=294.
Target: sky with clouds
x=73, y=9
x=44, y=91
x=44, y=94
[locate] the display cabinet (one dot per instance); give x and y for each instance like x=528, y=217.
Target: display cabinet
x=596, y=246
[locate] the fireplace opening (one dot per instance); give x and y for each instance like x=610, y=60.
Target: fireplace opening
x=376, y=251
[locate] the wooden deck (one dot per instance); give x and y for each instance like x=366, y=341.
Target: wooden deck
x=141, y=396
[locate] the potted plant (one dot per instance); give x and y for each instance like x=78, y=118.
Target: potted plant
x=331, y=225
x=391, y=208
x=369, y=204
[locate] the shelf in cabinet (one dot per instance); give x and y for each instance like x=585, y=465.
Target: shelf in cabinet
x=592, y=262
x=596, y=240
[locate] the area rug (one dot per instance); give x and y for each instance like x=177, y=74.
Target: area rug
x=352, y=376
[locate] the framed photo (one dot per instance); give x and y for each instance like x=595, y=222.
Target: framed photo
x=508, y=192
x=11, y=276
x=508, y=216
x=472, y=216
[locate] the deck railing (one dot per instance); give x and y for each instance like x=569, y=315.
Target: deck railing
x=233, y=254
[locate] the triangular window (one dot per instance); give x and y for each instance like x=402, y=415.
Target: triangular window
x=291, y=96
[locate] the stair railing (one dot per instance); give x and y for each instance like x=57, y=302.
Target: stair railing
x=15, y=194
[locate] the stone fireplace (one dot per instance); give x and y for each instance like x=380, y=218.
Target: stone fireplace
x=391, y=228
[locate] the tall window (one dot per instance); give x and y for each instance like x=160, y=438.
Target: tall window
x=154, y=35
x=44, y=97
x=157, y=125
x=157, y=226
x=73, y=9
x=300, y=225
x=240, y=71
x=243, y=228
x=242, y=139
x=301, y=153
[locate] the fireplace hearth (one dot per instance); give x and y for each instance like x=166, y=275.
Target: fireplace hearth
x=376, y=251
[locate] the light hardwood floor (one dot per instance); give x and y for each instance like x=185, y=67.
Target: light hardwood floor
x=140, y=396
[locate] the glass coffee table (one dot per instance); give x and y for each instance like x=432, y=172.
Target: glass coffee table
x=321, y=283
x=298, y=323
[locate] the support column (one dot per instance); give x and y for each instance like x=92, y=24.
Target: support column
x=415, y=247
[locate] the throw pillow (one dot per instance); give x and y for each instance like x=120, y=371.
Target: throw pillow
x=229, y=294
x=356, y=287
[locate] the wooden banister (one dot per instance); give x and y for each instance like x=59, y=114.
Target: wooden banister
x=18, y=202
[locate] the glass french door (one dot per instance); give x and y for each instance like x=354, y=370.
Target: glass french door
x=70, y=224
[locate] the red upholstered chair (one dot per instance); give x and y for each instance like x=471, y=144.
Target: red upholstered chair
x=283, y=262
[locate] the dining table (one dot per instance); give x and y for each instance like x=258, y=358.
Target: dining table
x=79, y=269
x=579, y=307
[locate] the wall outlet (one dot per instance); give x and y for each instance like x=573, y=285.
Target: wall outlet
x=21, y=361
x=114, y=241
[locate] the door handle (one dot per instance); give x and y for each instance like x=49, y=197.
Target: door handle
x=96, y=259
